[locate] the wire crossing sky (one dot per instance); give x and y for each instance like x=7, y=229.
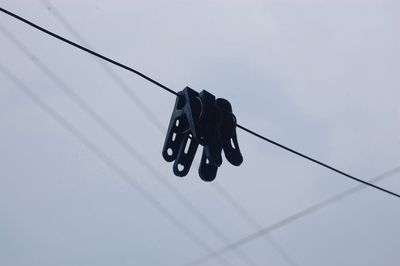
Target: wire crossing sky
x=109, y=162
x=124, y=143
x=296, y=216
x=153, y=118
x=175, y=93
x=318, y=77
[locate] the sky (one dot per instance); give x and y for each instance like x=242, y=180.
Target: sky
x=83, y=182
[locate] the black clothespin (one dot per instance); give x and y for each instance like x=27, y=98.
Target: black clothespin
x=209, y=127
x=227, y=142
x=227, y=129
x=183, y=127
x=198, y=118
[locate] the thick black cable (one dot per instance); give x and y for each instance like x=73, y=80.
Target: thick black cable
x=292, y=218
x=175, y=93
x=87, y=50
x=317, y=162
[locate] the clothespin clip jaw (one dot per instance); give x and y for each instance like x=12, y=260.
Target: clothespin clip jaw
x=211, y=157
x=227, y=141
x=198, y=118
x=228, y=134
x=181, y=143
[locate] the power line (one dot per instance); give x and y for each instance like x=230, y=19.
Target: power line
x=318, y=162
x=107, y=160
x=107, y=69
x=251, y=221
x=257, y=135
x=175, y=93
x=292, y=218
x=87, y=50
x=152, y=118
x=219, y=189
x=125, y=144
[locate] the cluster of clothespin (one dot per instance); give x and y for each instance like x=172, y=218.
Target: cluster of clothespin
x=199, y=118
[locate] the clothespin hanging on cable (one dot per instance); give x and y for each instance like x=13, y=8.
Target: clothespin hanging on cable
x=199, y=118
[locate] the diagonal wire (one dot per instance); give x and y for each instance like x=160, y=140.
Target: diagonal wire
x=249, y=131
x=54, y=35
x=294, y=217
x=113, y=165
x=89, y=51
x=121, y=84
x=220, y=190
x=252, y=222
x=152, y=118
x=317, y=161
x=125, y=144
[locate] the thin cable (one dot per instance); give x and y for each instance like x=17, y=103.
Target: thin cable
x=317, y=162
x=107, y=69
x=292, y=218
x=175, y=93
x=150, y=115
x=252, y=222
x=124, y=143
x=106, y=159
x=87, y=50
x=118, y=64
x=152, y=118
x=136, y=100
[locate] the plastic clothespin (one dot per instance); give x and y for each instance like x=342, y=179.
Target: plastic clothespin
x=198, y=118
x=227, y=142
x=183, y=127
x=227, y=129
x=211, y=158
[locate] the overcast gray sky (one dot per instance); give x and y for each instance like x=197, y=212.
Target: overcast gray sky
x=319, y=76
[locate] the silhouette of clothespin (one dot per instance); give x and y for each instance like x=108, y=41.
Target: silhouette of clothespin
x=199, y=118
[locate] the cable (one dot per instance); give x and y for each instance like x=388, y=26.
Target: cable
x=175, y=93
x=292, y=218
x=87, y=50
x=124, y=144
x=251, y=221
x=317, y=162
x=107, y=160
x=152, y=118
x=162, y=86
x=107, y=69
